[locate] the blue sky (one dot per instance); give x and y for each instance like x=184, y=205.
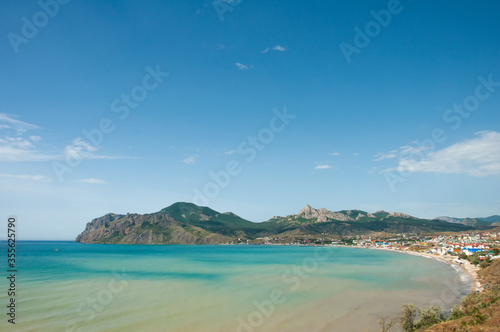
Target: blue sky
x=261, y=107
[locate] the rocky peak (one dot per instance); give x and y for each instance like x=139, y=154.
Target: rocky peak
x=308, y=212
x=322, y=215
x=400, y=215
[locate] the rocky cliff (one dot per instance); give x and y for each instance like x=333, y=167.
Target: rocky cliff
x=186, y=223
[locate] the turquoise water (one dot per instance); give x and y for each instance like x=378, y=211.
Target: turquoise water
x=83, y=287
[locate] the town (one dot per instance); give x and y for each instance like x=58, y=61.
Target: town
x=478, y=246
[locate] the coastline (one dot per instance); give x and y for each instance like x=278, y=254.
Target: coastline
x=465, y=266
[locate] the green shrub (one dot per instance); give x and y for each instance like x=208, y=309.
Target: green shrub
x=429, y=315
x=408, y=315
x=456, y=313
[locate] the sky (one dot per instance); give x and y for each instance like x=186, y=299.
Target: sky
x=255, y=107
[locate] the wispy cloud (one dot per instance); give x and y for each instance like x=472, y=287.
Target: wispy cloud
x=81, y=149
x=323, y=167
x=25, y=177
x=279, y=48
x=274, y=48
x=191, y=159
x=386, y=155
x=93, y=181
x=335, y=154
x=241, y=66
x=401, y=152
x=477, y=157
x=13, y=146
x=20, y=147
x=7, y=121
x=230, y=152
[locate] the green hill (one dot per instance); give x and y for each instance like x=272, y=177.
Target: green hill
x=187, y=223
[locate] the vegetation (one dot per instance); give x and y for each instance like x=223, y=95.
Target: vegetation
x=429, y=316
x=478, y=311
x=187, y=223
x=408, y=317
x=478, y=258
x=386, y=322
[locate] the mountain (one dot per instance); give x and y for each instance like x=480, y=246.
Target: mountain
x=180, y=223
x=476, y=222
x=187, y=223
x=310, y=221
x=492, y=219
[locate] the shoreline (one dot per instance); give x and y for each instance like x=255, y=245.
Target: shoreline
x=465, y=266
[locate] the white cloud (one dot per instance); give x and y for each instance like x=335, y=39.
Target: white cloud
x=335, y=154
x=80, y=149
x=241, y=66
x=93, y=181
x=477, y=157
x=20, y=149
x=190, y=160
x=274, y=48
x=17, y=148
x=25, y=177
x=7, y=121
x=279, y=48
x=382, y=155
x=13, y=149
x=403, y=151
x=323, y=167
x=230, y=152
x=355, y=154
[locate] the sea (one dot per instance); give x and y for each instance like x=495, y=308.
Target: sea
x=66, y=286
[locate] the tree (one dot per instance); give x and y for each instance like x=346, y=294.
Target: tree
x=429, y=315
x=487, y=262
x=408, y=315
x=386, y=322
x=496, y=251
x=474, y=259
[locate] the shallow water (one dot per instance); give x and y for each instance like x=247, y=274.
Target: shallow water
x=219, y=288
